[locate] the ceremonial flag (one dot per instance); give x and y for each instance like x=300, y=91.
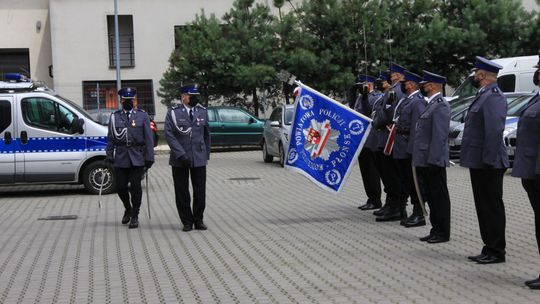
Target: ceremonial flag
x=326, y=139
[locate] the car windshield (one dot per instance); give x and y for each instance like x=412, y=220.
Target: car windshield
x=465, y=89
x=460, y=104
x=516, y=106
x=289, y=115
x=77, y=107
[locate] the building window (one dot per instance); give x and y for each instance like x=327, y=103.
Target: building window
x=14, y=61
x=108, y=95
x=127, y=46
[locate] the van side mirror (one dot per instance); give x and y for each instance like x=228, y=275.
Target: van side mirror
x=80, y=126
x=275, y=124
x=251, y=120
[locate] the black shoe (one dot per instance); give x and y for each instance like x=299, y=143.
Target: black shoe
x=437, y=239
x=533, y=284
x=389, y=216
x=532, y=281
x=126, y=218
x=381, y=211
x=415, y=221
x=134, y=223
x=490, y=259
x=187, y=228
x=370, y=206
x=476, y=257
x=426, y=238
x=200, y=226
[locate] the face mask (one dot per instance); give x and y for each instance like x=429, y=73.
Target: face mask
x=475, y=82
x=535, y=77
x=193, y=100
x=365, y=90
x=423, y=91
x=379, y=85
x=127, y=104
x=403, y=89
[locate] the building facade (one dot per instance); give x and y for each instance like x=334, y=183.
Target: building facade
x=69, y=44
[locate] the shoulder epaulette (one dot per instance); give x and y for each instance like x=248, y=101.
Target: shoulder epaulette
x=117, y=111
x=200, y=106
x=140, y=110
x=496, y=90
x=439, y=100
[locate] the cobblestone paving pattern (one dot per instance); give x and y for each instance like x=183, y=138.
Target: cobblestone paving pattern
x=273, y=237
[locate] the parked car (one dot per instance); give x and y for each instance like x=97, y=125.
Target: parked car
x=231, y=126
x=276, y=134
x=514, y=111
x=103, y=116
x=516, y=103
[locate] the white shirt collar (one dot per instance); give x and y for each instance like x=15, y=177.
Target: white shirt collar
x=433, y=97
x=187, y=107
x=413, y=93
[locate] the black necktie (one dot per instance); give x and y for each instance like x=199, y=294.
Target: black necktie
x=191, y=114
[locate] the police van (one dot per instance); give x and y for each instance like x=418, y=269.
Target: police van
x=45, y=138
x=515, y=76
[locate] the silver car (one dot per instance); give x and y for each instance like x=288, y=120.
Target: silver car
x=276, y=133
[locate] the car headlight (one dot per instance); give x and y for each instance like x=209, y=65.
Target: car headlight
x=509, y=131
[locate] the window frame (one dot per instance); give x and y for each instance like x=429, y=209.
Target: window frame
x=9, y=115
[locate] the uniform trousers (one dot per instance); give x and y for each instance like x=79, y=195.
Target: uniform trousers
x=128, y=181
x=390, y=179
x=370, y=175
x=436, y=190
x=407, y=184
x=183, y=198
x=487, y=186
x=532, y=187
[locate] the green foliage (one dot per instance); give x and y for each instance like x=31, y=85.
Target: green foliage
x=327, y=43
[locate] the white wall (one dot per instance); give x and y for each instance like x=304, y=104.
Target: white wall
x=18, y=20
x=80, y=46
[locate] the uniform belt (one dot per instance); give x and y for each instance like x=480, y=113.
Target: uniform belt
x=403, y=131
x=129, y=144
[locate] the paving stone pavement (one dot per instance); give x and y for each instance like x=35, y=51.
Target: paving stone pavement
x=273, y=238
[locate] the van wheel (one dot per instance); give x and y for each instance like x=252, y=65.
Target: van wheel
x=95, y=174
x=281, y=156
x=266, y=157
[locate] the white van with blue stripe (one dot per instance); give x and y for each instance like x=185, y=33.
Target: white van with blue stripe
x=45, y=138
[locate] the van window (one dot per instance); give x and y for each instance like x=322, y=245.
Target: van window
x=5, y=115
x=507, y=83
x=465, y=89
x=46, y=114
x=211, y=115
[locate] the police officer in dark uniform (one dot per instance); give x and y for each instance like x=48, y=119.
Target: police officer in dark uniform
x=368, y=168
x=484, y=153
x=130, y=149
x=188, y=135
x=527, y=159
x=382, y=120
x=405, y=117
x=430, y=156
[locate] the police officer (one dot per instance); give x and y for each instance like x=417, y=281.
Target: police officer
x=130, y=148
x=527, y=159
x=368, y=168
x=484, y=153
x=405, y=117
x=382, y=120
x=188, y=135
x=430, y=156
